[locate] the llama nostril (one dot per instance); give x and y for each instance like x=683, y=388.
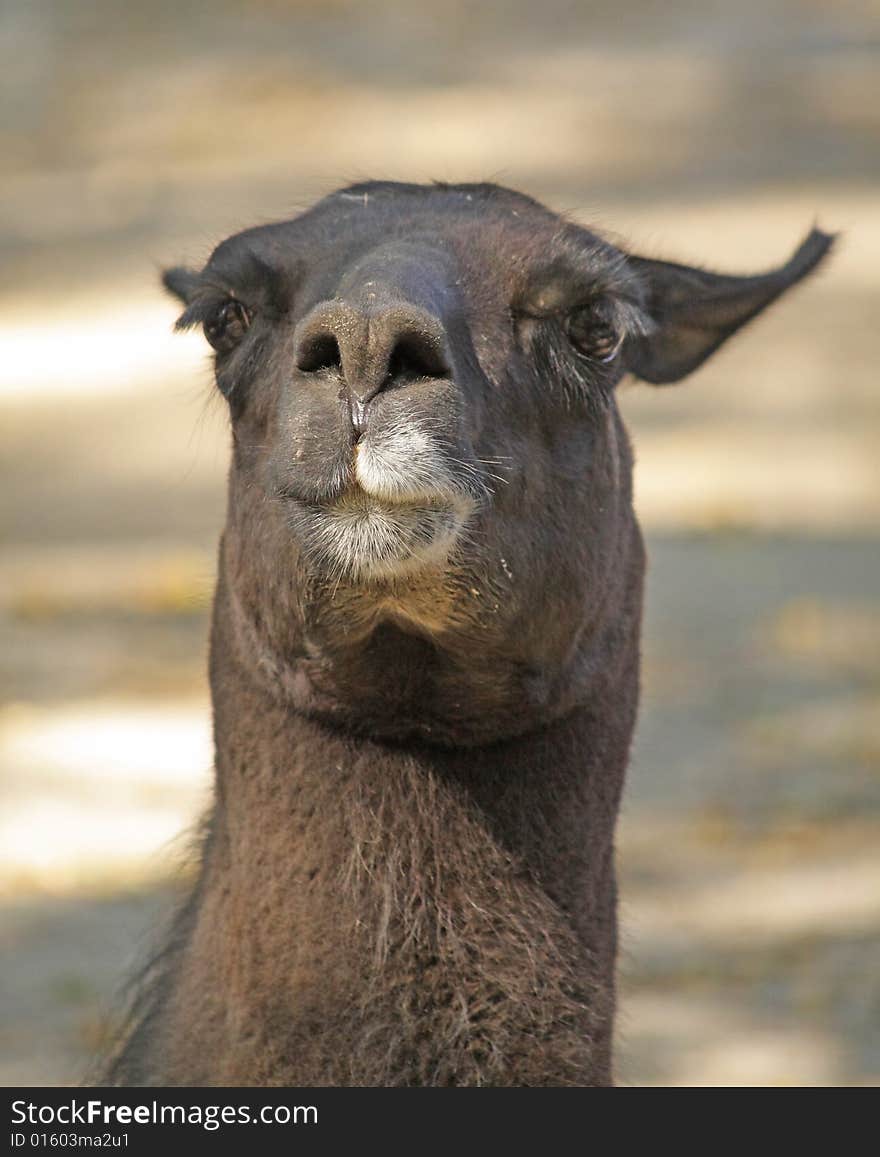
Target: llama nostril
x=371, y=349
x=416, y=355
x=320, y=352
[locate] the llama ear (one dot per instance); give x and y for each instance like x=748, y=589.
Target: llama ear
x=694, y=311
x=181, y=282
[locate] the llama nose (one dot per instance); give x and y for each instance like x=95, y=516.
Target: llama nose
x=372, y=345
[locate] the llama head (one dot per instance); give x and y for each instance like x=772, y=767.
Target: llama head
x=421, y=382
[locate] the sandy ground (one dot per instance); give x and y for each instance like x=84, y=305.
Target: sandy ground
x=749, y=843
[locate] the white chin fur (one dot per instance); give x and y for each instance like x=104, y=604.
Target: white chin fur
x=362, y=537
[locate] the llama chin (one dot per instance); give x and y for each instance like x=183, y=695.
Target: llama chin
x=363, y=537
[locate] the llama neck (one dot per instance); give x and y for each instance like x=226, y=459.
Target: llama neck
x=538, y=795
x=402, y=914
x=546, y=801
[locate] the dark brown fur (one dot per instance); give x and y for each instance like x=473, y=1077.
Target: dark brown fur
x=408, y=876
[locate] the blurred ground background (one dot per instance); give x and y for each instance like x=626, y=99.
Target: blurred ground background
x=133, y=135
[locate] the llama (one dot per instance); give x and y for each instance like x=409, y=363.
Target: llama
x=425, y=642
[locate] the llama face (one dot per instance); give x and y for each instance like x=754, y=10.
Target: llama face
x=421, y=382
x=414, y=373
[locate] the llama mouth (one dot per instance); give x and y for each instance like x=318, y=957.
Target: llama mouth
x=363, y=537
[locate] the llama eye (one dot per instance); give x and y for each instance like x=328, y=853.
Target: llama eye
x=592, y=333
x=228, y=326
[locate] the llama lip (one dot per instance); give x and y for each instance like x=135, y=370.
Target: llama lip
x=359, y=498
x=404, y=462
x=403, y=508
x=363, y=537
